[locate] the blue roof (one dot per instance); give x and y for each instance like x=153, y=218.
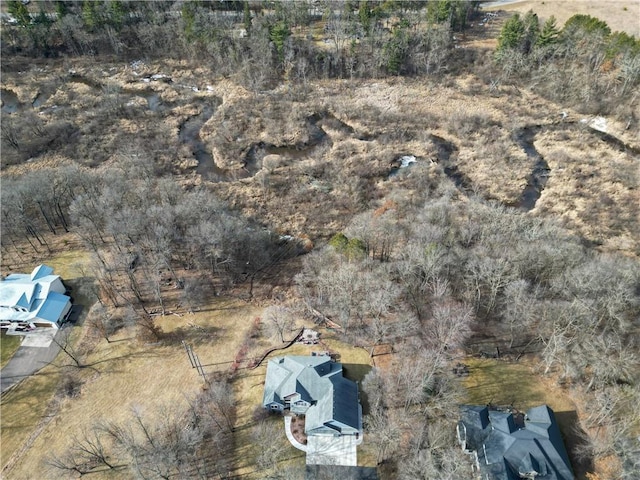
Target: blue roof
x=53, y=307
x=23, y=302
x=41, y=271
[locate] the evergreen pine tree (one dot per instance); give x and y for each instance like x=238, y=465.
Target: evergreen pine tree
x=364, y=13
x=20, y=12
x=511, y=34
x=549, y=33
x=531, y=31
x=246, y=17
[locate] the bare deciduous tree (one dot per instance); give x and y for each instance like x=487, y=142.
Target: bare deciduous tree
x=279, y=321
x=103, y=321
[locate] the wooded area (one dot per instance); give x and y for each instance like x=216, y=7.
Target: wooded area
x=302, y=204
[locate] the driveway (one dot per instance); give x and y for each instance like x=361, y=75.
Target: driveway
x=330, y=450
x=37, y=350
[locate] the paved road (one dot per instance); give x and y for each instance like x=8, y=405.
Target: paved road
x=498, y=3
x=36, y=351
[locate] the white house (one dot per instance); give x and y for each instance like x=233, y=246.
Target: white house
x=37, y=298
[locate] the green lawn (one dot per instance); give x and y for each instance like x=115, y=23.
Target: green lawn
x=521, y=385
x=505, y=383
x=8, y=345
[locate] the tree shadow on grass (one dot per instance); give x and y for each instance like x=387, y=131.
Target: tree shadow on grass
x=92, y=365
x=35, y=389
x=192, y=334
x=575, y=441
x=502, y=383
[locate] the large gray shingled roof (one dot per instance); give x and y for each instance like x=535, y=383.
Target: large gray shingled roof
x=319, y=381
x=510, y=445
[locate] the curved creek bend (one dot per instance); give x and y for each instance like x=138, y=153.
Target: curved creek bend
x=446, y=151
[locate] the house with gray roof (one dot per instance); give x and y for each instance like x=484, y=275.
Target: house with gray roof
x=315, y=387
x=37, y=298
x=514, y=445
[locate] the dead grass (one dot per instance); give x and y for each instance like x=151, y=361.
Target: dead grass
x=67, y=256
x=123, y=374
x=23, y=409
x=129, y=374
x=620, y=15
x=592, y=189
x=28, y=407
x=315, y=193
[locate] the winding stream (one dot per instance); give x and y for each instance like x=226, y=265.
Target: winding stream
x=40, y=99
x=446, y=150
x=538, y=177
x=189, y=133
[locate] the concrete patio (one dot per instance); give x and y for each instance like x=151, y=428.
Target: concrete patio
x=330, y=450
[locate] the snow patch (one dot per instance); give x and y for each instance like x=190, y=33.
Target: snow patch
x=407, y=160
x=597, y=123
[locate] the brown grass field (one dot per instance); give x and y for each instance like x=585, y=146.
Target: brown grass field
x=620, y=15
x=151, y=377
x=30, y=406
x=129, y=374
